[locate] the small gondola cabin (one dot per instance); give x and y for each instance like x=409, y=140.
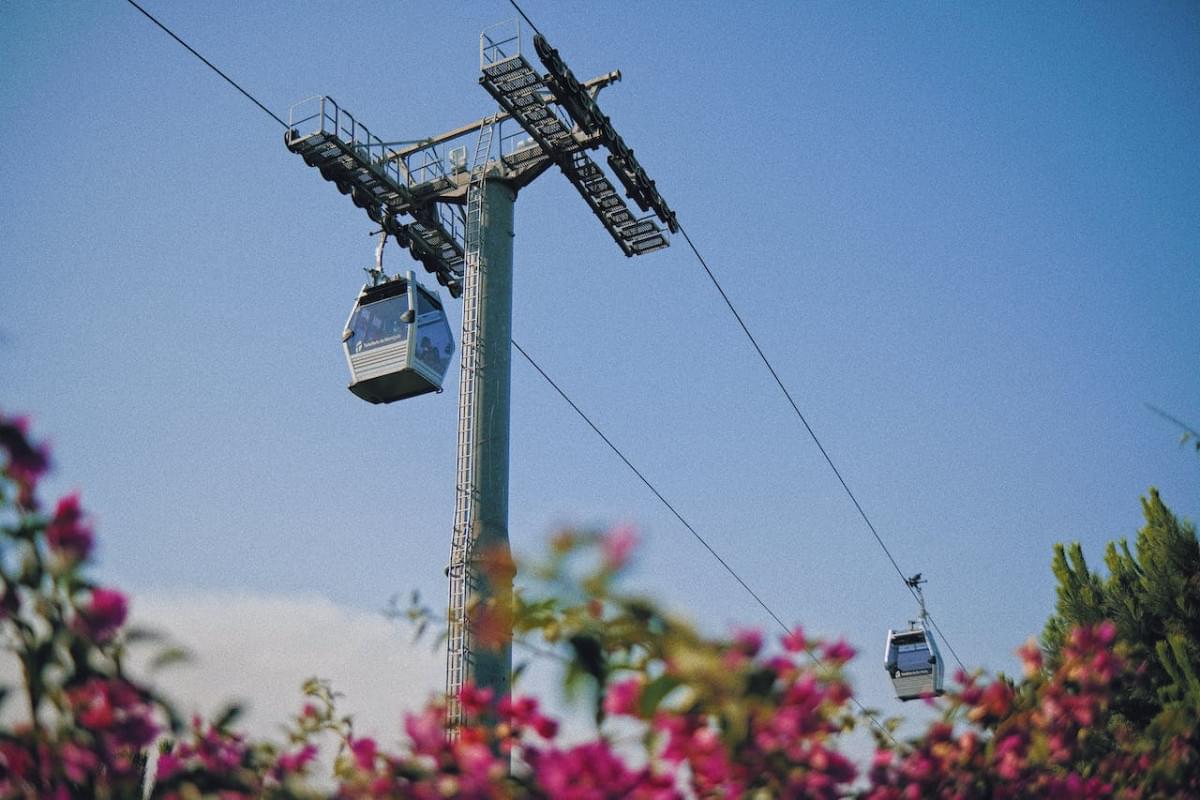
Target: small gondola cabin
x=397, y=341
x=913, y=663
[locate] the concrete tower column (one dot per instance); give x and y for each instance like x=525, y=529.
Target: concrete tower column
x=490, y=629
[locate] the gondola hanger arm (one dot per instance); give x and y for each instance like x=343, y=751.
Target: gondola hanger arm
x=377, y=274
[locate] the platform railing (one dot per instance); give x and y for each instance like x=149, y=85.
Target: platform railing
x=321, y=115
x=500, y=42
x=426, y=165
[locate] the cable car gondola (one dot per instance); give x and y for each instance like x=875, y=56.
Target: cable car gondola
x=397, y=341
x=911, y=657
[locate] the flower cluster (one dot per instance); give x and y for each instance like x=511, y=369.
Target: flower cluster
x=1044, y=737
x=26, y=462
x=211, y=757
x=712, y=717
x=720, y=718
x=87, y=725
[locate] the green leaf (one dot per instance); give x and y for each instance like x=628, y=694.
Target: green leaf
x=759, y=682
x=138, y=635
x=175, y=722
x=654, y=693
x=641, y=610
x=169, y=657
x=41, y=657
x=228, y=716
x=589, y=655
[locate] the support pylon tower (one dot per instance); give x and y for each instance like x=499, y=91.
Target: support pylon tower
x=456, y=217
x=480, y=579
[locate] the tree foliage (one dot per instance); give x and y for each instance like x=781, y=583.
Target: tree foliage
x=1152, y=595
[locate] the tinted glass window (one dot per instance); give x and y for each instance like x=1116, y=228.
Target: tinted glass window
x=434, y=343
x=425, y=304
x=912, y=657
x=378, y=324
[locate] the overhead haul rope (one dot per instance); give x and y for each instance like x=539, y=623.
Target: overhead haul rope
x=812, y=434
x=796, y=408
x=534, y=364
x=808, y=649
x=773, y=615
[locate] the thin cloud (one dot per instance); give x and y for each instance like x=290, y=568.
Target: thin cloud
x=257, y=650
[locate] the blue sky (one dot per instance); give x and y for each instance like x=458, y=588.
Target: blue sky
x=967, y=237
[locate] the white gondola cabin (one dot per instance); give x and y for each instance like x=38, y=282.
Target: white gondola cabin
x=397, y=341
x=913, y=663
x=911, y=656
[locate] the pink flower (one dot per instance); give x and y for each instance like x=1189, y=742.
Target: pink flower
x=546, y=727
x=838, y=652
x=794, y=642
x=77, y=762
x=26, y=462
x=710, y=763
x=919, y=768
x=522, y=713
x=427, y=730
x=677, y=730
x=748, y=641
x=1104, y=666
x=1031, y=658
x=582, y=773
x=115, y=710
x=519, y=710
x=94, y=709
x=68, y=532
x=993, y=704
x=103, y=615
x=618, y=544
x=622, y=697
x=479, y=766
x=16, y=758
x=220, y=753
x=474, y=699
x=168, y=765
x=364, y=751
x=1010, y=759
x=298, y=761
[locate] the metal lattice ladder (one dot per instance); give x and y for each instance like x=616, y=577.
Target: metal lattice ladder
x=461, y=572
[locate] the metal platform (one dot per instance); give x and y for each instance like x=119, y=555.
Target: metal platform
x=524, y=93
x=365, y=167
x=634, y=236
x=518, y=88
x=439, y=232
x=581, y=106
